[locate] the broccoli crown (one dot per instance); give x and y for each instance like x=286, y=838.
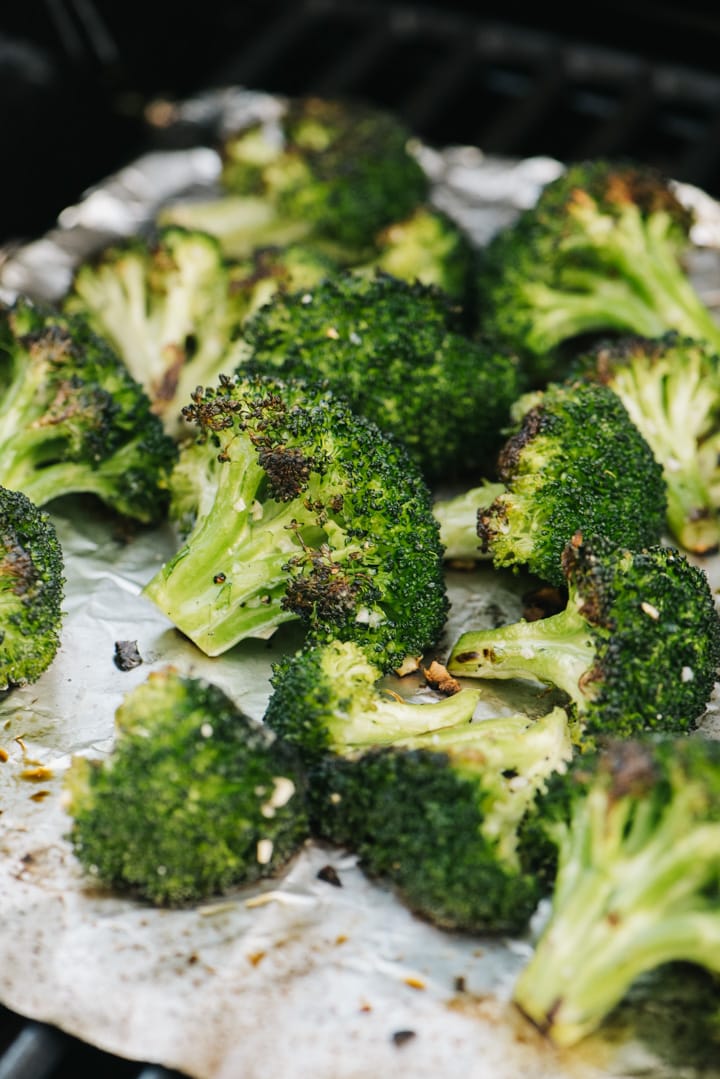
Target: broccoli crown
x=256, y=278
x=166, y=303
x=670, y=387
x=314, y=515
x=438, y=815
x=74, y=420
x=392, y=348
x=599, y=252
x=637, y=882
x=636, y=648
x=328, y=698
x=573, y=461
x=31, y=590
x=226, y=797
x=345, y=169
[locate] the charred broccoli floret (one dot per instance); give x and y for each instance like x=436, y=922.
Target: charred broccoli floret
x=166, y=304
x=255, y=279
x=670, y=386
x=334, y=171
x=395, y=351
x=600, y=251
x=303, y=511
x=192, y=799
x=636, y=648
x=572, y=460
x=331, y=698
x=31, y=590
x=637, y=883
x=73, y=420
x=429, y=798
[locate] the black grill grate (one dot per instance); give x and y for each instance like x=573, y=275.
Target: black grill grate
x=455, y=78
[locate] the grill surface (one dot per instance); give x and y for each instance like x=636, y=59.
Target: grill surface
x=510, y=87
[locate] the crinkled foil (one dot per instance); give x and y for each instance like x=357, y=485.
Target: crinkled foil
x=295, y=977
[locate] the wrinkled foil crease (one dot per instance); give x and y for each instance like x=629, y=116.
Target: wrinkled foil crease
x=293, y=977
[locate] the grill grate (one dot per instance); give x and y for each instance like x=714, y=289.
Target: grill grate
x=455, y=78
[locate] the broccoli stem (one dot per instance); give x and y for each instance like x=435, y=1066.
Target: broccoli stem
x=557, y=650
x=241, y=223
x=401, y=722
x=625, y=903
x=457, y=517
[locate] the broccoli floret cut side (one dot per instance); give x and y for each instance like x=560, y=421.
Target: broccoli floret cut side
x=313, y=515
x=194, y=797
x=166, y=304
x=457, y=516
x=636, y=649
x=600, y=252
x=437, y=815
x=73, y=420
x=330, y=698
x=637, y=883
x=32, y=585
x=395, y=351
x=572, y=460
x=345, y=169
x=670, y=387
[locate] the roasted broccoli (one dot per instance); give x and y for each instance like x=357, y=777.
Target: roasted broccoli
x=255, y=279
x=429, y=799
x=73, y=420
x=302, y=511
x=331, y=698
x=166, y=304
x=457, y=517
x=636, y=648
x=572, y=460
x=670, y=386
x=333, y=171
x=192, y=799
x=637, y=883
x=32, y=585
x=600, y=251
x=396, y=352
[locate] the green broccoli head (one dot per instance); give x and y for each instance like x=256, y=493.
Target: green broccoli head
x=396, y=352
x=330, y=698
x=637, y=883
x=600, y=251
x=636, y=648
x=670, y=387
x=165, y=302
x=31, y=590
x=573, y=460
x=307, y=512
x=193, y=798
x=74, y=420
x=438, y=815
x=342, y=169
x=255, y=279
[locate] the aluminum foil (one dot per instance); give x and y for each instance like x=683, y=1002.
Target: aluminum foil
x=295, y=976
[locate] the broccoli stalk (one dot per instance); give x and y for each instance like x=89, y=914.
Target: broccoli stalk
x=73, y=420
x=457, y=516
x=226, y=798
x=638, y=874
x=670, y=387
x=313, y=515
x=637, y=646
x=600, y=251
x=31, y=590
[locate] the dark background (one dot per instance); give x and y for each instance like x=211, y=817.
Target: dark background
x=76, y=77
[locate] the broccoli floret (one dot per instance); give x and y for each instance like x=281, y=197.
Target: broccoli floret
x=437, y=815
x=73, y=420
x=637, y=883
x=305, y=511
x=254, y=280
x=395, y=351
x=166, y=304
x=31, y=589
x=636, y=648
x=600, y=251
x=670, y=386
x=573, y=460
x=193, y=798
x=330, y=698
